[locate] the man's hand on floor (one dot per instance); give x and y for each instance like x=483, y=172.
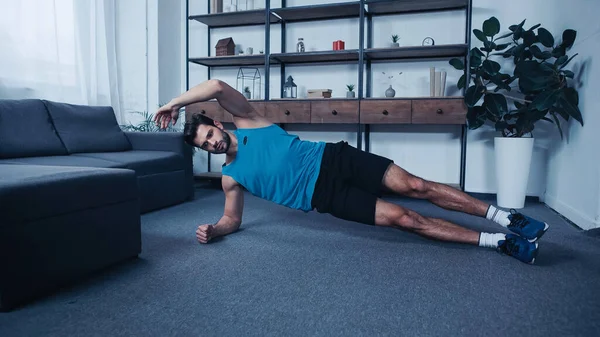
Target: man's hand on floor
x=204, y=233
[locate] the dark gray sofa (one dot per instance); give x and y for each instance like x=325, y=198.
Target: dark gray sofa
x=72, y=187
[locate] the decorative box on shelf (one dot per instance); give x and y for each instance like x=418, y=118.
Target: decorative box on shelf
x=225, y=47
x=319, y=93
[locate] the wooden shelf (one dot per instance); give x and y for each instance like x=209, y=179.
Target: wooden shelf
x=234, y=19
x=413, y=52
x=318, y=12
x=317, y=56
x=230, y=61
x=412, y=6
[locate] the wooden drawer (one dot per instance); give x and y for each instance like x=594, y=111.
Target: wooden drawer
x=210, y=109
x=287, y=112
x=439, y=111
x=325, y=111
x=385, y=111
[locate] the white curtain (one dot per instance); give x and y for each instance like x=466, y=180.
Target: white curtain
x=61, y=50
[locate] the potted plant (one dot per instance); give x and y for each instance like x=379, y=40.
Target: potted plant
x=536, y=83
x=247, y=92
x=395, y=39
x=350, y=93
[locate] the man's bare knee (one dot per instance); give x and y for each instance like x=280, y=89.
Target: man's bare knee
x=417, y=185
x=410, y=221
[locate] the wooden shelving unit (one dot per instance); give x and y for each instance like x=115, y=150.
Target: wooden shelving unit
x=431, y=110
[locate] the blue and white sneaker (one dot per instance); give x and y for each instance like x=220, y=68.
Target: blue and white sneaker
x=519, y=248
x=526, y=227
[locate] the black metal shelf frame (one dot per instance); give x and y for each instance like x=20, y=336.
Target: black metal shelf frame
x=365, y=10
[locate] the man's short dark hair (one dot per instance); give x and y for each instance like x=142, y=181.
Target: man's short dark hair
x=190, y=129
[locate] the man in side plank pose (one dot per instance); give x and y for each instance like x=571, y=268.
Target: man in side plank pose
x=333, y=178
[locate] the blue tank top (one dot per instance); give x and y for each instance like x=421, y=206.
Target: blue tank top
x=276, y=166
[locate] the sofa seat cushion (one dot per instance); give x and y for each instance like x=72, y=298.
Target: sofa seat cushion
x=31, y=192
x=26, y=130
x=77, y=161
x=84, y=128
x=143, y=162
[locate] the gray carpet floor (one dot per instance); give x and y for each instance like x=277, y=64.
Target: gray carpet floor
x=286, y=273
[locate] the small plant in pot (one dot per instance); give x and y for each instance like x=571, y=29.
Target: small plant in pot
x=350, y=93
x=539, y=88
x=247, y=93
x=395, y=39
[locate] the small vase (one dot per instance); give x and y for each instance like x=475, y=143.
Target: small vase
x=350, y=94
x=390, y=92
x=247, y=94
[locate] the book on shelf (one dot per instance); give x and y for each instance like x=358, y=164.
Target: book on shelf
x=216, y=6
x=437, y=83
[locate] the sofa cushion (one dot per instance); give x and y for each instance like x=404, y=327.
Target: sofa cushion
x=85, y=128
x=71, y=160
x=26, y=130
x=143, y=162
x=29, y=192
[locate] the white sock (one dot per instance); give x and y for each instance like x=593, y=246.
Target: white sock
x=490, y=240
x=498, y=216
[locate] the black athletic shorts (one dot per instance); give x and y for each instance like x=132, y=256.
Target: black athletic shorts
x=349, y=183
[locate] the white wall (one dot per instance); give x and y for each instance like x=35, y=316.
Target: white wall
x=432, y=152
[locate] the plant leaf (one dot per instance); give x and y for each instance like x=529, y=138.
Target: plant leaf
x=480, y=35
x=461, y=82
x=545, y=99
x=568, y=38
x=545, y=37
x=473, y=95
x=570, y=108
x=503, y=46
x=560, y=60
x=496, y=104
x=457, y=64
x=569, y=60
x=569, y=74
x=491, y=26
x=558, y=51
x=529, y=38
x=491, y=67
x=475, y=117
x=518, y=31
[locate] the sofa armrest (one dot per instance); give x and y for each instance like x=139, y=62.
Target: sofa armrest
x=166, y=141
x=158, y=141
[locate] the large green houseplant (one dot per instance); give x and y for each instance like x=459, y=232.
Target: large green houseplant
x=536, y=82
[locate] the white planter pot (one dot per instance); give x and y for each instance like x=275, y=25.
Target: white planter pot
x=513, y=161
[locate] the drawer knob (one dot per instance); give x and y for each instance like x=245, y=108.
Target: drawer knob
x=440, y=111
x=334, y=112
x=385, y=112
x=203, y=112
x=287, y=112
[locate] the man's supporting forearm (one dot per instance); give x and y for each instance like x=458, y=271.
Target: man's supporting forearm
x=225, y=226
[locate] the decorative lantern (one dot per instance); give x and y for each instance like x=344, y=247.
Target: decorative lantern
x=290, y=89
x=249, y=83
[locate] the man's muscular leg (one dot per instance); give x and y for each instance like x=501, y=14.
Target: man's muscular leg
x=402, y=182
x=388, y=214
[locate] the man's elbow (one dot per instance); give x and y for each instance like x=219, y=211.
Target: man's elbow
x=217, y=86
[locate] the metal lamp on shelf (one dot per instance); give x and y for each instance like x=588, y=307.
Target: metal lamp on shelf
x=290, y=89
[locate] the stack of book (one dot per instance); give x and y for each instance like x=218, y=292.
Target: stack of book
x=319, y=93
x=437, y=83
x=216, y=6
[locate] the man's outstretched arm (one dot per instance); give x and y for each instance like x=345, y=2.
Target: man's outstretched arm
x=232, y=215
x=229, y=98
